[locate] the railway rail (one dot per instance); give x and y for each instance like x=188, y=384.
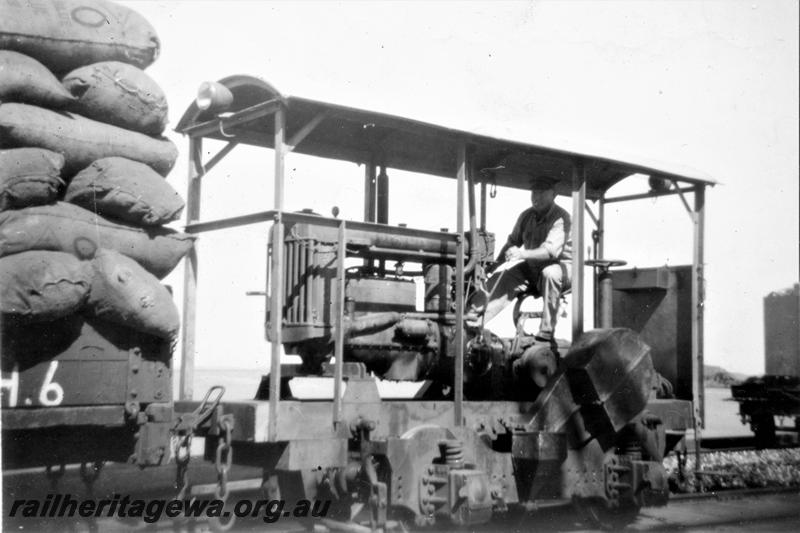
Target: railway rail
x=734, y=493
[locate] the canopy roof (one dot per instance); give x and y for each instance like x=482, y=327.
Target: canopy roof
x=362, y=136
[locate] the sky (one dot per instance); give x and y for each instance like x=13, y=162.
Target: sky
x=710, y=85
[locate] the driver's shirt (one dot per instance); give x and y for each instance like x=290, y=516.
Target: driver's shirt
x=551, y=231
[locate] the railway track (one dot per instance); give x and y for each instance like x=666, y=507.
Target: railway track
x=245, y=484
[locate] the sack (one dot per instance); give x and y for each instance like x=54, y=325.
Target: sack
x=23, y=79
x=68, y=34
x=118, y=94
x=79, y=139
x=126, y=190
x=68, y=228
x=124, y=293
x=41, y=286
x=78, y=339
x=29, y=176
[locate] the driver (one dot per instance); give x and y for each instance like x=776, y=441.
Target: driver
x=538, y=257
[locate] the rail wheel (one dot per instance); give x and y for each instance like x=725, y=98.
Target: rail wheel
x=597, y=512
x=763, y=426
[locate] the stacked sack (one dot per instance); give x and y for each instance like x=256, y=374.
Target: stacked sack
x=83, y=199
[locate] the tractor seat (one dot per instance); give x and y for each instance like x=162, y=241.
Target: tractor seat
x=520, y=317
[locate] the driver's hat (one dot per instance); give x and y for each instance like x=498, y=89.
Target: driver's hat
x=542, y=183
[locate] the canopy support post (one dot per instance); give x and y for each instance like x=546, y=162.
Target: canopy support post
x=383, y=196
x=338, y=369
x=483, y=206
x=276, y=290
x=190, y=272
x=458, y=386
x=601, y=221
x=598, y=238
x=578, y=206
x=698, y=297
x=370, y=192
x=370, y=198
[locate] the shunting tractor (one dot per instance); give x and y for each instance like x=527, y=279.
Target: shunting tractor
x=497, y=425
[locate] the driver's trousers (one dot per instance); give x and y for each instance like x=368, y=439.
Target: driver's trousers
x=546, y=280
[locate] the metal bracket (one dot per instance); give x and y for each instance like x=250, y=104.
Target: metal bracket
x=310, y=126
x=682, y=196
x=434, y=488
x=204, y=415
x=218, y=156
x=617, y=480
x=236, y=118
x=153, y=435
x=222, y=130
x=592, y=215
x=134, y=378
x=378, y=502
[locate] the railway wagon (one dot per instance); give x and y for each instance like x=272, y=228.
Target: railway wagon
x=775, y=396
x=81, y=390
x=496, y=424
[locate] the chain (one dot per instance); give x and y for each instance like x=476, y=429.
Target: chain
x=54, y=475
x=89, y=477
x=182, y=456
x=185, y=429
x=222, y=462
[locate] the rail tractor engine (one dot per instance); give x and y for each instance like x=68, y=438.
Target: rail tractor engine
x=383, y=329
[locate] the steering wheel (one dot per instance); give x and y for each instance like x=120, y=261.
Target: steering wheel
x=605, y=264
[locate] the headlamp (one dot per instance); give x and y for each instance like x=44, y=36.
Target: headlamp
x=213, y=96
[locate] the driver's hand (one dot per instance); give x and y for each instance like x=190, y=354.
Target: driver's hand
x=514, y=253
